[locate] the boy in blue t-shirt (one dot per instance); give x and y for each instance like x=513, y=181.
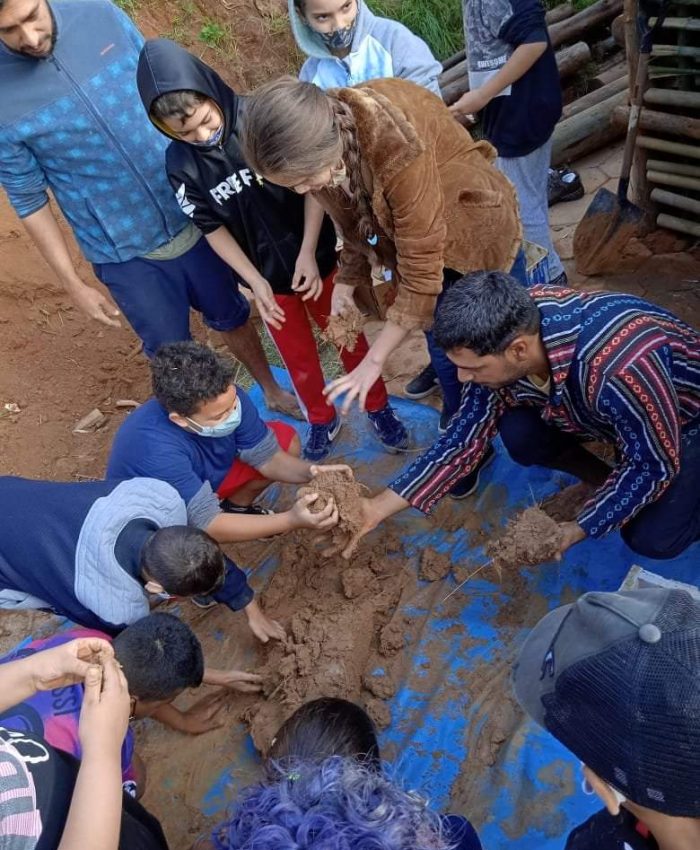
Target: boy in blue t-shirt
x=514, y=84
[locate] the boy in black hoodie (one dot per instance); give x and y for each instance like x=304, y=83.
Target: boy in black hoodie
x=283, y=251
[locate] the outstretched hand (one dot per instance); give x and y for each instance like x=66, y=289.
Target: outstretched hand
x=354, y=385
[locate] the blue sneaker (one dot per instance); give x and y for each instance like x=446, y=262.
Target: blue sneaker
x=391, y=432
x=319, y=439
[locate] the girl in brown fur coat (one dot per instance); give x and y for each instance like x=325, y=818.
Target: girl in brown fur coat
x=407, y=186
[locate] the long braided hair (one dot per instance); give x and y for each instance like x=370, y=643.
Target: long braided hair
x=292, y=130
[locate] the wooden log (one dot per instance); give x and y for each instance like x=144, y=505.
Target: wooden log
x=661, y=122
x=682, y=225
x=679, y=202
x=573, y=28
x=665, y=167
x=456, y=72
x=458, y=57
x=559, y=13
x=680, y=181
x=593, y=97
x=573, y=58
x=675, y=50
x=605, y=50
x=588, y=131
x=619, y=69
x=617, y=29
x=652, y=144
x=569, y=60
x=685, y=24
x=672, y=97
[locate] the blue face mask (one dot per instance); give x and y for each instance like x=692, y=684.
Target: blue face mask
x=221, y=429
x=214, y=139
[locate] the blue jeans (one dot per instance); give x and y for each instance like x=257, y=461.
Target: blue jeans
x=445, y=369
x=662, y=529
x=155, y=296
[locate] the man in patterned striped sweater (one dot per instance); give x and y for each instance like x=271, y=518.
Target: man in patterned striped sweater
x=550, y=368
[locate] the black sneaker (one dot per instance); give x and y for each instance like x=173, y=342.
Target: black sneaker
x=319, y=439
x=468, y=485
x=229, y=507
x=425, y=383
x=563, y=184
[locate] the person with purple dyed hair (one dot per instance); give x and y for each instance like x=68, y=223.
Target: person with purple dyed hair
x=325, y=790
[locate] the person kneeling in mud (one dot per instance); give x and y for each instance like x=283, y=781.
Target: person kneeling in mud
x=550, y=368
x=202, y=435
x=160, y=657
x=324, y=768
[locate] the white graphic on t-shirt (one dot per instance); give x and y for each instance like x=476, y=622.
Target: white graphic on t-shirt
x=186, y=204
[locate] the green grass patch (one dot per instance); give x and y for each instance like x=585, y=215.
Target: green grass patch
x=437, y=22
x=213, y=34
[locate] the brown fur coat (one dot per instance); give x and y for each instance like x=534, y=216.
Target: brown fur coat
x=438, y=200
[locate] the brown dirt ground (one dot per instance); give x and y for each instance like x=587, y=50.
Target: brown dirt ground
x=57, y=367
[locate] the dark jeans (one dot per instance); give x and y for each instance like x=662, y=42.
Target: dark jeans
x=155, y=296
x=663, y=529
x=444, y=367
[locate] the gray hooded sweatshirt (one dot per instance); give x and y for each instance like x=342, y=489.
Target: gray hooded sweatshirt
x=380, y=48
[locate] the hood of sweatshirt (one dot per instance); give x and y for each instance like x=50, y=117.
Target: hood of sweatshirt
x=312, y=45
x=165, y=66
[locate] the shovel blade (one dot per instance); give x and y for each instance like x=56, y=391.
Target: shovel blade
x=602, y=234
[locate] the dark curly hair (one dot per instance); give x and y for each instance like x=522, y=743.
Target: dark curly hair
x=484, y=312
x=186, y=375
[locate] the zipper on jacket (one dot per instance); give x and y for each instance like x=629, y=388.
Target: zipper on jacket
x=95, y=114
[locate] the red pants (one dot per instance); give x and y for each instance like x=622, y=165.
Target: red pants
x=297, y=347
x=241, y=473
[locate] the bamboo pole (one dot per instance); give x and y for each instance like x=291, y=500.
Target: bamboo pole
x=664, y=167
x=680, y=181
x=651, y=144
x=661, y=122
x=671, y=199
x=672, y=97
x=682, y=225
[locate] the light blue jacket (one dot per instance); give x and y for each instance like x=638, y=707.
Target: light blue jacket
x=380, y=48
x=74, y=123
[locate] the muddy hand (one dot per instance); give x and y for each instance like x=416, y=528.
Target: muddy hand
x=262, y=626
x=303, y=517
x=571, y=533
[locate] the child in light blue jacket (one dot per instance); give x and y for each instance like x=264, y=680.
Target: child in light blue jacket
x=347, y=44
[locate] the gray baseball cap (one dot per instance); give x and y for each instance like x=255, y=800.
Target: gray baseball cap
x=616, y=678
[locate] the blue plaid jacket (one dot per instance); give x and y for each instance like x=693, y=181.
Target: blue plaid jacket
x=74, y=123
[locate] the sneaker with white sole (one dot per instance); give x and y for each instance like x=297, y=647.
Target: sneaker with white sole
x=389, y=428
x=319, y=439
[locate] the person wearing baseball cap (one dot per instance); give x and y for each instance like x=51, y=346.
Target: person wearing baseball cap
x=615, y=677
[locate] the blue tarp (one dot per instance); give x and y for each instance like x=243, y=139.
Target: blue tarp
x=455, y=733
x=444, y=734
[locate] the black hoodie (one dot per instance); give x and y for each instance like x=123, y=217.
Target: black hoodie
x=213, y=184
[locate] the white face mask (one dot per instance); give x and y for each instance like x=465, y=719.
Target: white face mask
x=221, y=429
x=587, y=788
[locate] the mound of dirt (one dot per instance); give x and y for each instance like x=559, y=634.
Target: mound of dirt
x=566, y=505
x=344, y=634
x=532, y=537
x=344, y=329
x=347, y=494
x=434, y=565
